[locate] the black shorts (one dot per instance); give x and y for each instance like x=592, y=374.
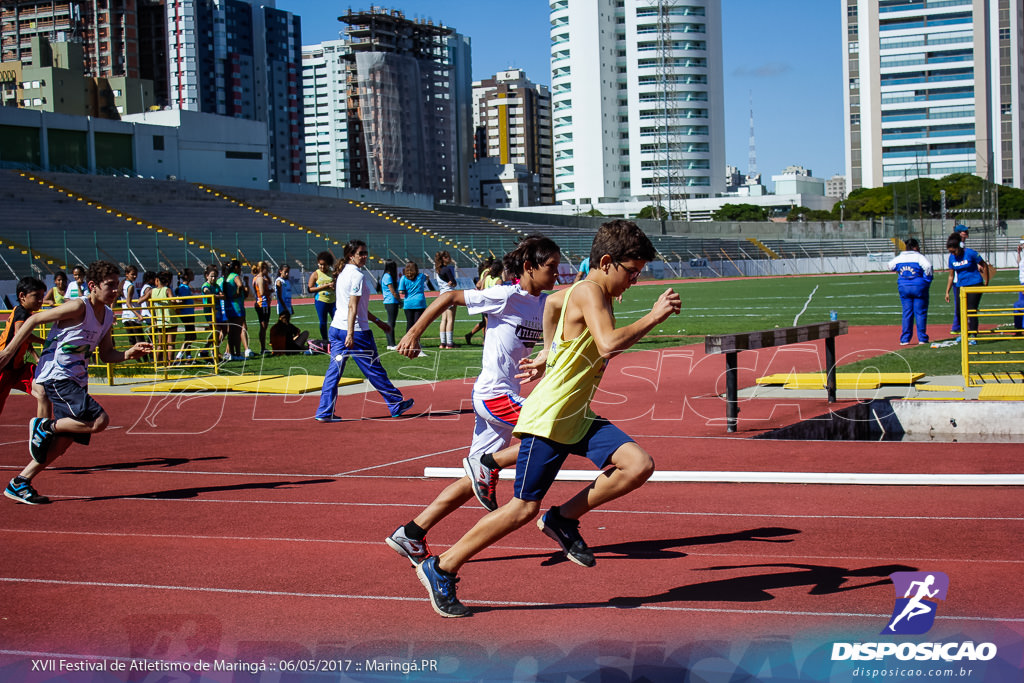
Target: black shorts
x=72, y=400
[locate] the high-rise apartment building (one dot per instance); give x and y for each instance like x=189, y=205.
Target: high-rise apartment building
x=409, y=109
x=512, y=120
x=106, y=29
x=240, y=59
x=325, y=109
x=637, y=100
x=933, y=87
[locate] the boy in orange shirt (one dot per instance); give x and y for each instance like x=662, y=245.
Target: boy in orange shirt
x=18, y=375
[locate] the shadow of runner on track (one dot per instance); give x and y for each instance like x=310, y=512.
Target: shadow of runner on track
x=824, y=580
x=660, y=548
x=179, y=494
x=148, y=462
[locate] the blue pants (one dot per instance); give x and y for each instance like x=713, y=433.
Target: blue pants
x=326, y=313
x=914, y=299
x=1018, y=312
x=954, y=296
x=364, y=353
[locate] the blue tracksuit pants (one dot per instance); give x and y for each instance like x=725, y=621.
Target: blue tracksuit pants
x=364, y=353
x=914, y=299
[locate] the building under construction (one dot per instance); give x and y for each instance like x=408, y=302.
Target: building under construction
x=405, y=92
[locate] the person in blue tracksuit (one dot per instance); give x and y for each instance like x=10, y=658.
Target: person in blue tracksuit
x=967, y=269
x=350, y=336
x=914, y=277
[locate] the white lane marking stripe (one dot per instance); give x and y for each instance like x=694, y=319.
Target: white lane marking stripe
x=599, y=548
x=509, y=603
x=871, y=479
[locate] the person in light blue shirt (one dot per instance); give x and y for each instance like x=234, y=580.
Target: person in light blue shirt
x=412, y=288
x=392, y=302
x=914, y=273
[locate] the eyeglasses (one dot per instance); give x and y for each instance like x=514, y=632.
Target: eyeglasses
x=362, y=253
x=634, y=273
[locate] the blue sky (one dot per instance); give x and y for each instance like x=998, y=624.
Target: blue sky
x=786, y=54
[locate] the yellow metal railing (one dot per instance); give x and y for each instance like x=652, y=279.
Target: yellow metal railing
x=181, y=330
x=984, y=349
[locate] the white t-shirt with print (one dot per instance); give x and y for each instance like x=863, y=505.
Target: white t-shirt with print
x=515, y=323
x=353, y=281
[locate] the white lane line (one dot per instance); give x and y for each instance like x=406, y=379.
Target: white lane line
x=399, y=462
x=499, y=603
x=859, y=478
x=806, y=304
x=683, y=546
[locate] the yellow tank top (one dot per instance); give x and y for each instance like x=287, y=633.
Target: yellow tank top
x=559, y=406
x=58, y=297
x=326, y=296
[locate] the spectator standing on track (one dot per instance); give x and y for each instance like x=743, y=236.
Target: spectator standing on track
x=131, y=317
x=321, y=283
x=964, y=232
x=389, y=288
x=77, y=289
x=914, y=277
x=444, y=271
x=482, y=282
x=186, y=313
x=211, y=290
x=515, y=317
x=261, y=301
x=283, y=287
x=967, y=269
x=584, y=270
x=556, y=418
x=55, y=297
x=350, y=335
x=412, y=288
x=234, y=291
x=161, y=298
x=78, y=327
x=18, y=374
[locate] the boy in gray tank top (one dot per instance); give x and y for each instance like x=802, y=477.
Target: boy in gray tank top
x=78, y=327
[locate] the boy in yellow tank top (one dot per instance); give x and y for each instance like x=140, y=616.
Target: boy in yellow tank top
x=580, y=337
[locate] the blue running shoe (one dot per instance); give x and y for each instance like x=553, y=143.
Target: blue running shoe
x=402, y=408
x=566, y=532
x=440, y=586
x=24, y=493
x=40, y=437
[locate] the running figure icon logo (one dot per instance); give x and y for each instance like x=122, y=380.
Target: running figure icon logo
x=916, y=595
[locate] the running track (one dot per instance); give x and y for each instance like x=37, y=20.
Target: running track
x=228, y=528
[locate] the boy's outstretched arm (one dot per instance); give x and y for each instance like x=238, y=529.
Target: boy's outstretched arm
x=74, y=309
x=108, y=354
x=409, y=344
x=611, y=340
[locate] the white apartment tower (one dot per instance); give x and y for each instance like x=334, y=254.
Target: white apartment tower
x=933, y=87
x=512, y=120
x=637, y=100
x=324, y=105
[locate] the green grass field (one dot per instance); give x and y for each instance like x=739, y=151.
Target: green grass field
x=709, y=307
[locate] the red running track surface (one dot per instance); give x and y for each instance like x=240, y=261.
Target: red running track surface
x=233, y=529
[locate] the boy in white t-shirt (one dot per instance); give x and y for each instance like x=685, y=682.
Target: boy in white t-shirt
x=515, y=315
